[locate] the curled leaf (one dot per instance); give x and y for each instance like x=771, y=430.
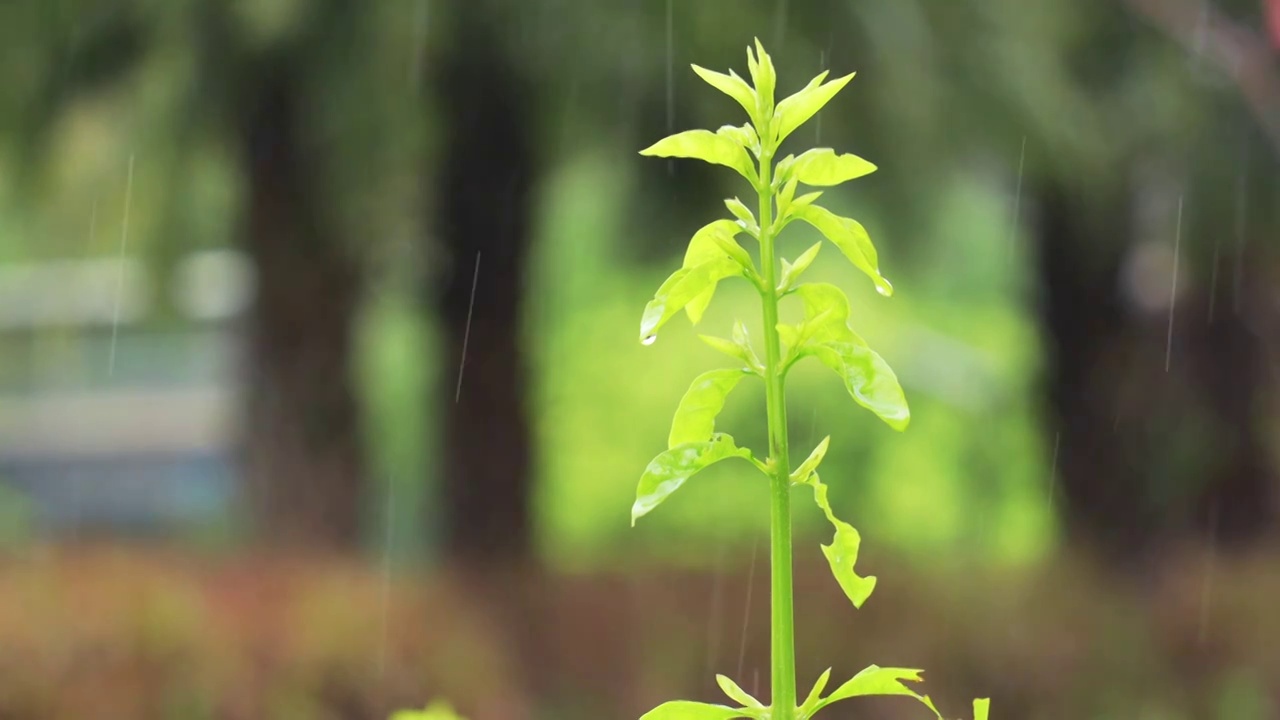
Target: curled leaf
x=683, y=287
x=810, y=704
x=706, y=146
x=695, y=419
x=875, y=680
x=822, y=167
x=801, y=474
x=746, y=219
x=795, y=110
x=791, y=271
x=842, y=553
x=672, y=467
x=736, y=693
x=852, y=239
x=688, y=710
x=731, y=85
x=744, y=135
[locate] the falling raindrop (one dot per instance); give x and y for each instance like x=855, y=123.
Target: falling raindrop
x=649, y=340
x=1173, y=291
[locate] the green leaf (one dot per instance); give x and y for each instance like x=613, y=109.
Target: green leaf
x=687, y=710
x=784, y=197
x=706, y=146
x=810, y=464
x=826, y=313
x=438, y=710
x=746, y=220
x=744, y=135
x=680, y=289
x=695, y=419
x=795, y=110
x=712, y=242
x=822, y=167
x=782, y=172
x=842, y=553
x=764, y=77
x=981, y=707
x=815, y=695
x=868, y=378
x=672, y=467
x=731, y=85
x=852, y=239
x=791, y=272
x=736, y=693
x=875, y=680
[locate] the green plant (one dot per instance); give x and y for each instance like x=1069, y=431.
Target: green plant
x=438, y=710
x=714, y=255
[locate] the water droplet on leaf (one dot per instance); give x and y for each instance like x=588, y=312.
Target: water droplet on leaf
x=884, y=288
x=651, y=339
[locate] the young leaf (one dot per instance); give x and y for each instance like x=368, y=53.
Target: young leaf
x=795, y=110
x=713, y=241
x=736, y=351
x=981, y=707
x=746, y=219
x=782, y=172
x=736, y=693
x=764, y=77
x=791, y=272
x=875, y=680
x=744, y=136
x=687, y=710
x=810, y=704
x=672, y=467
x=682, y=288
x=731, y=85
x=842, y=553
x=868, y=378
x=822, y=167
x=852, y=239
x=706, y=146
x=695, y=419
x=438, y=710
x=810, y=464
x=785, y=195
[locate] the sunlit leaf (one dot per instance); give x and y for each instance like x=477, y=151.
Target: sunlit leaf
x=744, y=135
x=815, y=695
x=682, y=287
x=810, y=464
x=822, y=167
x=438, y=710
x=706, y=146
x=764, y=77
x=713, y=241
x=744, y=215
x=672, y=467
x=842, y=553
x=791, y=271
x=875, y=680
x=785, y=195
x=795, y=110
x=731, y=85
x=736, y=693
x=826, y=313
x=695, y=418
x=735, y=350
x=981, y=707
x=782, y=172
x=868, y=378
x=852, y=239
x=687, y=710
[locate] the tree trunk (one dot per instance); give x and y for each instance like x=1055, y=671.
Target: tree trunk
x=485, y=209
x=302, y=446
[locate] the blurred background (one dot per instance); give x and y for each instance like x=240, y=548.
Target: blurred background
x=321, y=394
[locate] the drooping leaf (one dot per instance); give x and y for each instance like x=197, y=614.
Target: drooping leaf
x=852, y=239
x=795, y=110
x=706, y=146
x=745, y=217
x=842, y=553
x=791, y=272
x=822, y=167
x=868, y=378
x=736, y=693
x=681, y=288
x=981, y=707
x=672, y=467
x=688, y=710
x=744, y=135
x=810, y=704
x=731, y=85
x=713, y=241
x=801, y=474
x=695, y=418
x=875, y=680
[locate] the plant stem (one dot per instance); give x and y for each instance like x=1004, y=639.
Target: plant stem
x=782, y=634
